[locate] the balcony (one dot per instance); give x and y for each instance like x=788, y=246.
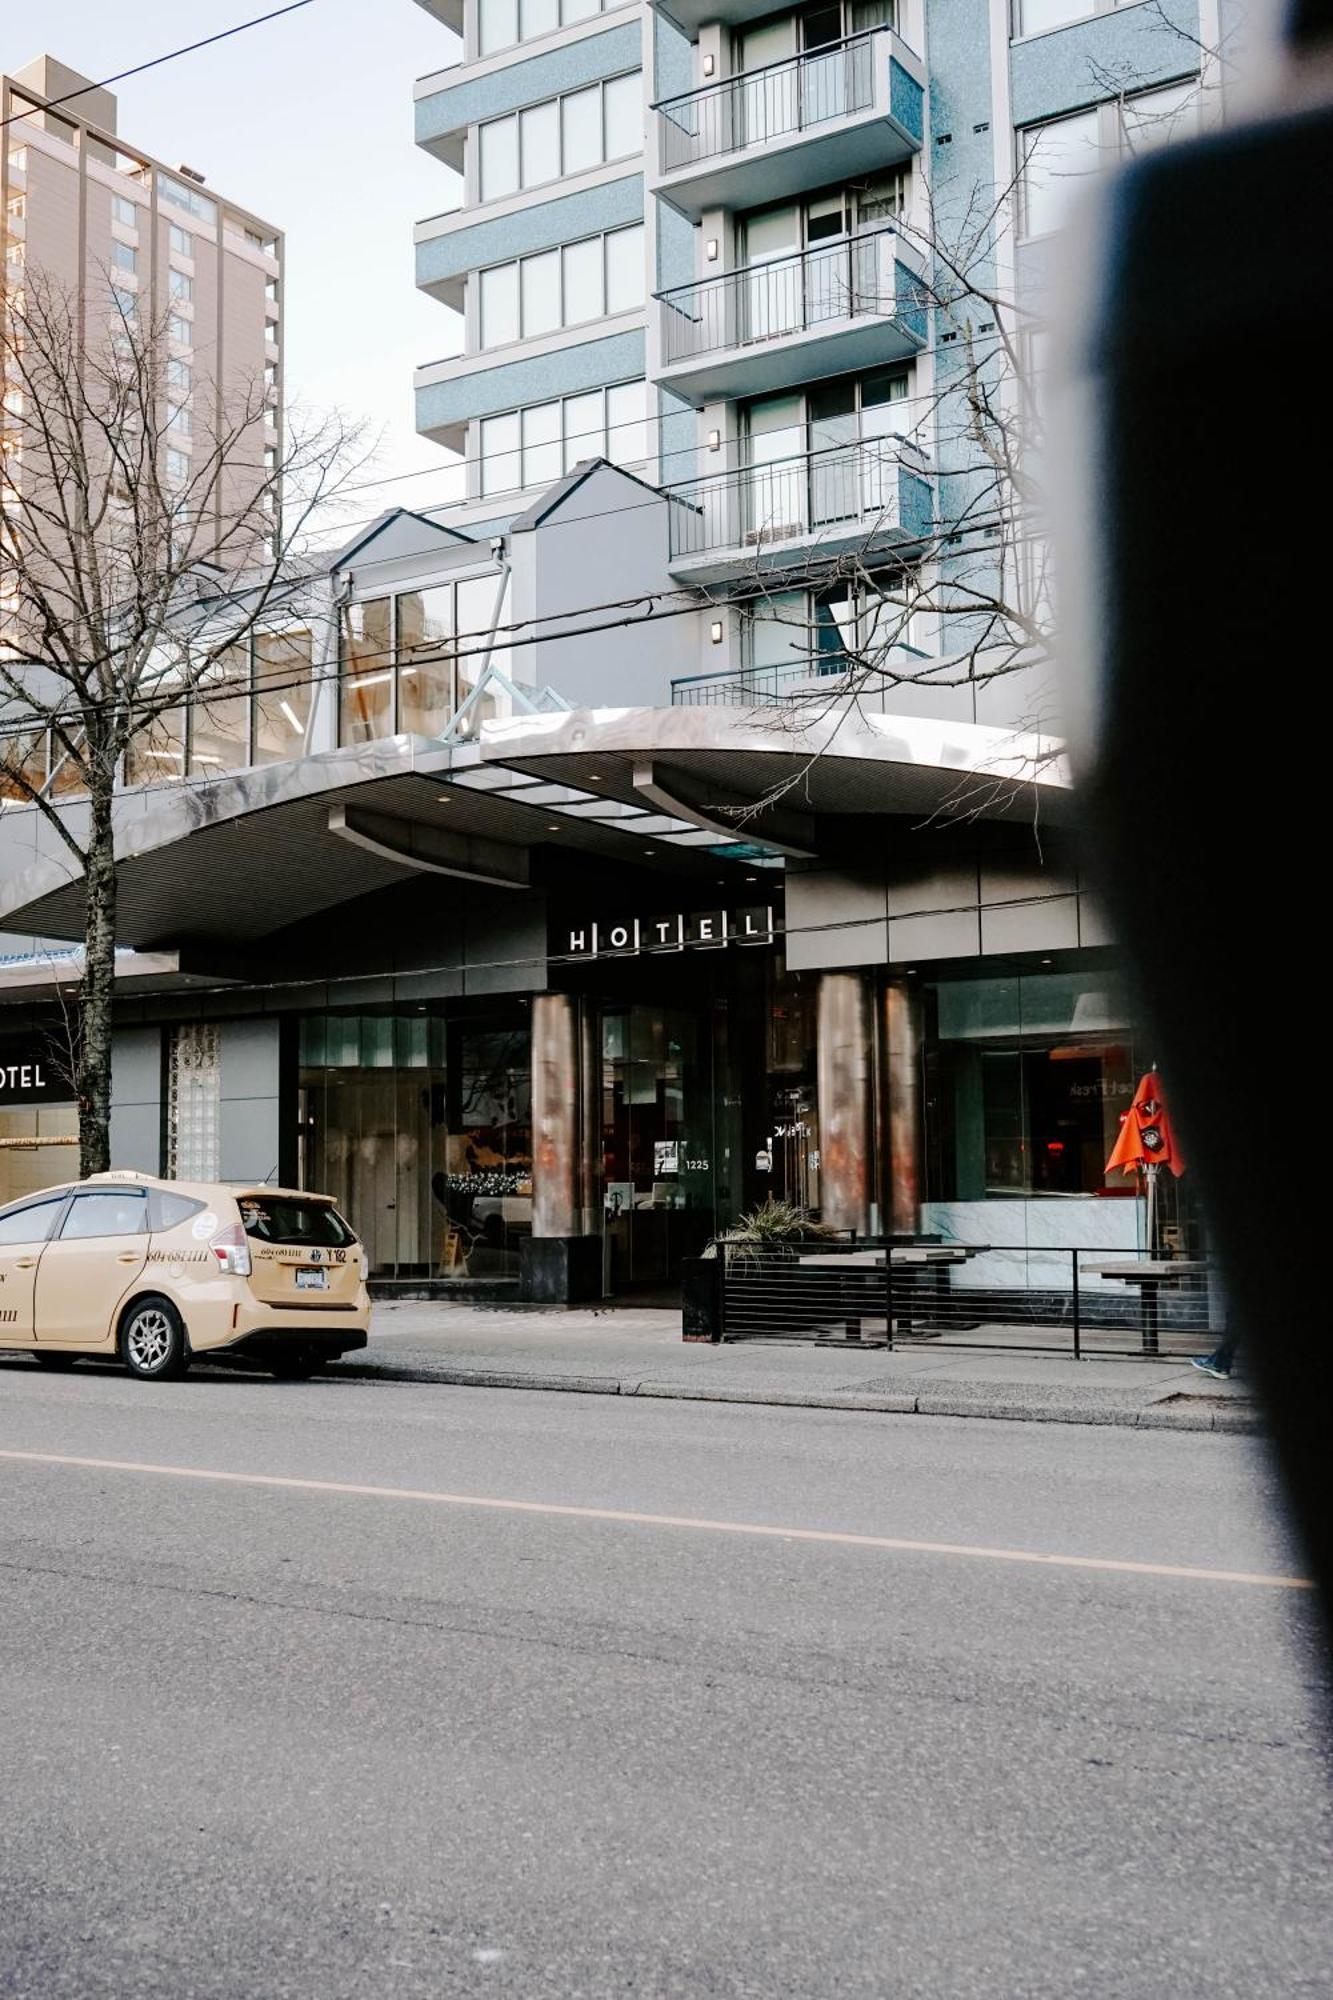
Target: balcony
x=818, y=678
x=855, y=107
x=873, y=494
x=856, y=303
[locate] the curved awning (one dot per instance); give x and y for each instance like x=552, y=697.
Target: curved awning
x=771, y=777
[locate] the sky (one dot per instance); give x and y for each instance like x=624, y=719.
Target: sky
x=308, y=121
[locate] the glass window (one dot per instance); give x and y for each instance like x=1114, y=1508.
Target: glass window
x=178, y=466
x=1038, y=17
x=1056, y=159
x=181, y=241
x=541, y=444
x=624, y=269
x=539, y=143
x=499, y=305
x=1157, y=117
x=580, y=10
x=179, y=377
x=31, y=1224
x=180, y=285
x=497, y=25
x=281, y=694
x=585, y=428
x=581, y=129
x=583, y=298
x=539, y=17
x=623, y=110
x=541, y=292
x=188, y=198
x=220, y=715
x=499, y=158
x=627, y=423
x=181, y=330
x=109, y=1212
x=366, y=686
x=499, y=453
x=125, y=211
x=180, y=420
x=426, y=697
x=124, y=257
x=273, y=1219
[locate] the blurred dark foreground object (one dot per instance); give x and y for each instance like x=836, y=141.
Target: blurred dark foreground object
x=1202, y=651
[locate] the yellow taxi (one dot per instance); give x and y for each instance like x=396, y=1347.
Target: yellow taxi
x=158, y=1272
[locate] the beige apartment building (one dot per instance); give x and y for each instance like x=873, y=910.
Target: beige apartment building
x=85, y=207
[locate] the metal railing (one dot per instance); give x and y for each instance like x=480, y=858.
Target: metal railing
x=792, y=499
x=809, y=677
x=1044, y=1299
x=854, y=277
x=764, y=104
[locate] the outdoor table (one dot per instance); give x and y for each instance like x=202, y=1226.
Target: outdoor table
x=861, y=1267
x=1150, y=1274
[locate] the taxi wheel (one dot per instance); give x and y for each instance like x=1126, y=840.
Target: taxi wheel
x=152, y=1340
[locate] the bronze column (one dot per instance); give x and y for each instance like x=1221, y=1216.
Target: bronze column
x=562, y=1259
x=844, y=1061
x=901, y=1098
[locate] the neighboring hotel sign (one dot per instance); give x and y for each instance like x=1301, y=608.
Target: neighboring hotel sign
x=705, y=930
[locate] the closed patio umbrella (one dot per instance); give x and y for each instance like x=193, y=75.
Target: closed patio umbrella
x=1146, y=1144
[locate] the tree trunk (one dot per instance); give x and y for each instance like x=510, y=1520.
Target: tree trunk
x=97, y=987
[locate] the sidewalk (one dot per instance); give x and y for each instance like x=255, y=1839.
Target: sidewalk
x=630, y=1351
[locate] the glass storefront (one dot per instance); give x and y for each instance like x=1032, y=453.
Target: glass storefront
x=39, y=1147
x=420, y=1127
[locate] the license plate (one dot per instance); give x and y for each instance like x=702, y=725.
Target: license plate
x=312, y=1281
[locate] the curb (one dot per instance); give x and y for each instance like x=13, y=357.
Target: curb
x=1003, y=1407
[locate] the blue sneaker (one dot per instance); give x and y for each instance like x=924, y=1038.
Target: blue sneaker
x=1208, y=1364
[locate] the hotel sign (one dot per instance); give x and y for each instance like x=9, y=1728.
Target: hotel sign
x=25, y=1077
x=703, y=930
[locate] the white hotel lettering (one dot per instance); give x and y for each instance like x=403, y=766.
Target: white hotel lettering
x=22, y=1076
x=706, y=930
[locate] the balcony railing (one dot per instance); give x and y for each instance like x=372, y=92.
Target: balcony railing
x=870, y=484
x=813, y=676
x=770, y=103
x=854, y=277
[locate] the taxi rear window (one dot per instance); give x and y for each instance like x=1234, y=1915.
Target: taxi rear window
x=278, y=1220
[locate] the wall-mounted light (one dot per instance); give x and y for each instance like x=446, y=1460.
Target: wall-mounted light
x=715, y=440
x=715, y=631
x=710, y=64
x=710, y=250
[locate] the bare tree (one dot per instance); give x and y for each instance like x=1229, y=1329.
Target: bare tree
x=128, y=568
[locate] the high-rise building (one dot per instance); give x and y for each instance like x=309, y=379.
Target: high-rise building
x=102, y=220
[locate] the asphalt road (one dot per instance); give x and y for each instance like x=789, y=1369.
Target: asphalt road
x=264, y=1739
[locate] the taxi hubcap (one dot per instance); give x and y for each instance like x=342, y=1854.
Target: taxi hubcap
x=149, y=1340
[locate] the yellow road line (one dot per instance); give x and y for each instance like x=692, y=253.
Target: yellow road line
x=899, y=1544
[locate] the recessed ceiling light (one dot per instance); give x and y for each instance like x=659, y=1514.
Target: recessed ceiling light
x=650, y=850
x=553, y=829
x=752, y=878
x=595, y=777
x=444, y=799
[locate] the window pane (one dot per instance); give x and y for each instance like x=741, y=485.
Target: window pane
x=499, y=158
x=585, y=432
x=627, y=423
x=624, y=115
x=220, y=724
x=1156, y=117
x=541, y=293
x=580, y=10
x=499, y=305
x=624, y=269
x=497, y=24
x=581, y=129
x=425, y=656
x=31, y=1224
x=499, y=453
x=112, y=1213
x=1056, y=159
x=541, y=444
x=539, y=17
x=583, y=281
x=1037, y=17
x=282, y=694
x=540, y=126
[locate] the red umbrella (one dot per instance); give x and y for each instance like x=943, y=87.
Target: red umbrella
x=1147, y=1144
x=1146, y=1139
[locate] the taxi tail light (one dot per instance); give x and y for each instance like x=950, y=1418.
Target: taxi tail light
x=231, y=1247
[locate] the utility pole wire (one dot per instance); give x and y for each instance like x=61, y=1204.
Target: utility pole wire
x=223, y=34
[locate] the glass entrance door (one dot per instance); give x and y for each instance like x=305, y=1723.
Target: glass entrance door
x=657, y=1143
